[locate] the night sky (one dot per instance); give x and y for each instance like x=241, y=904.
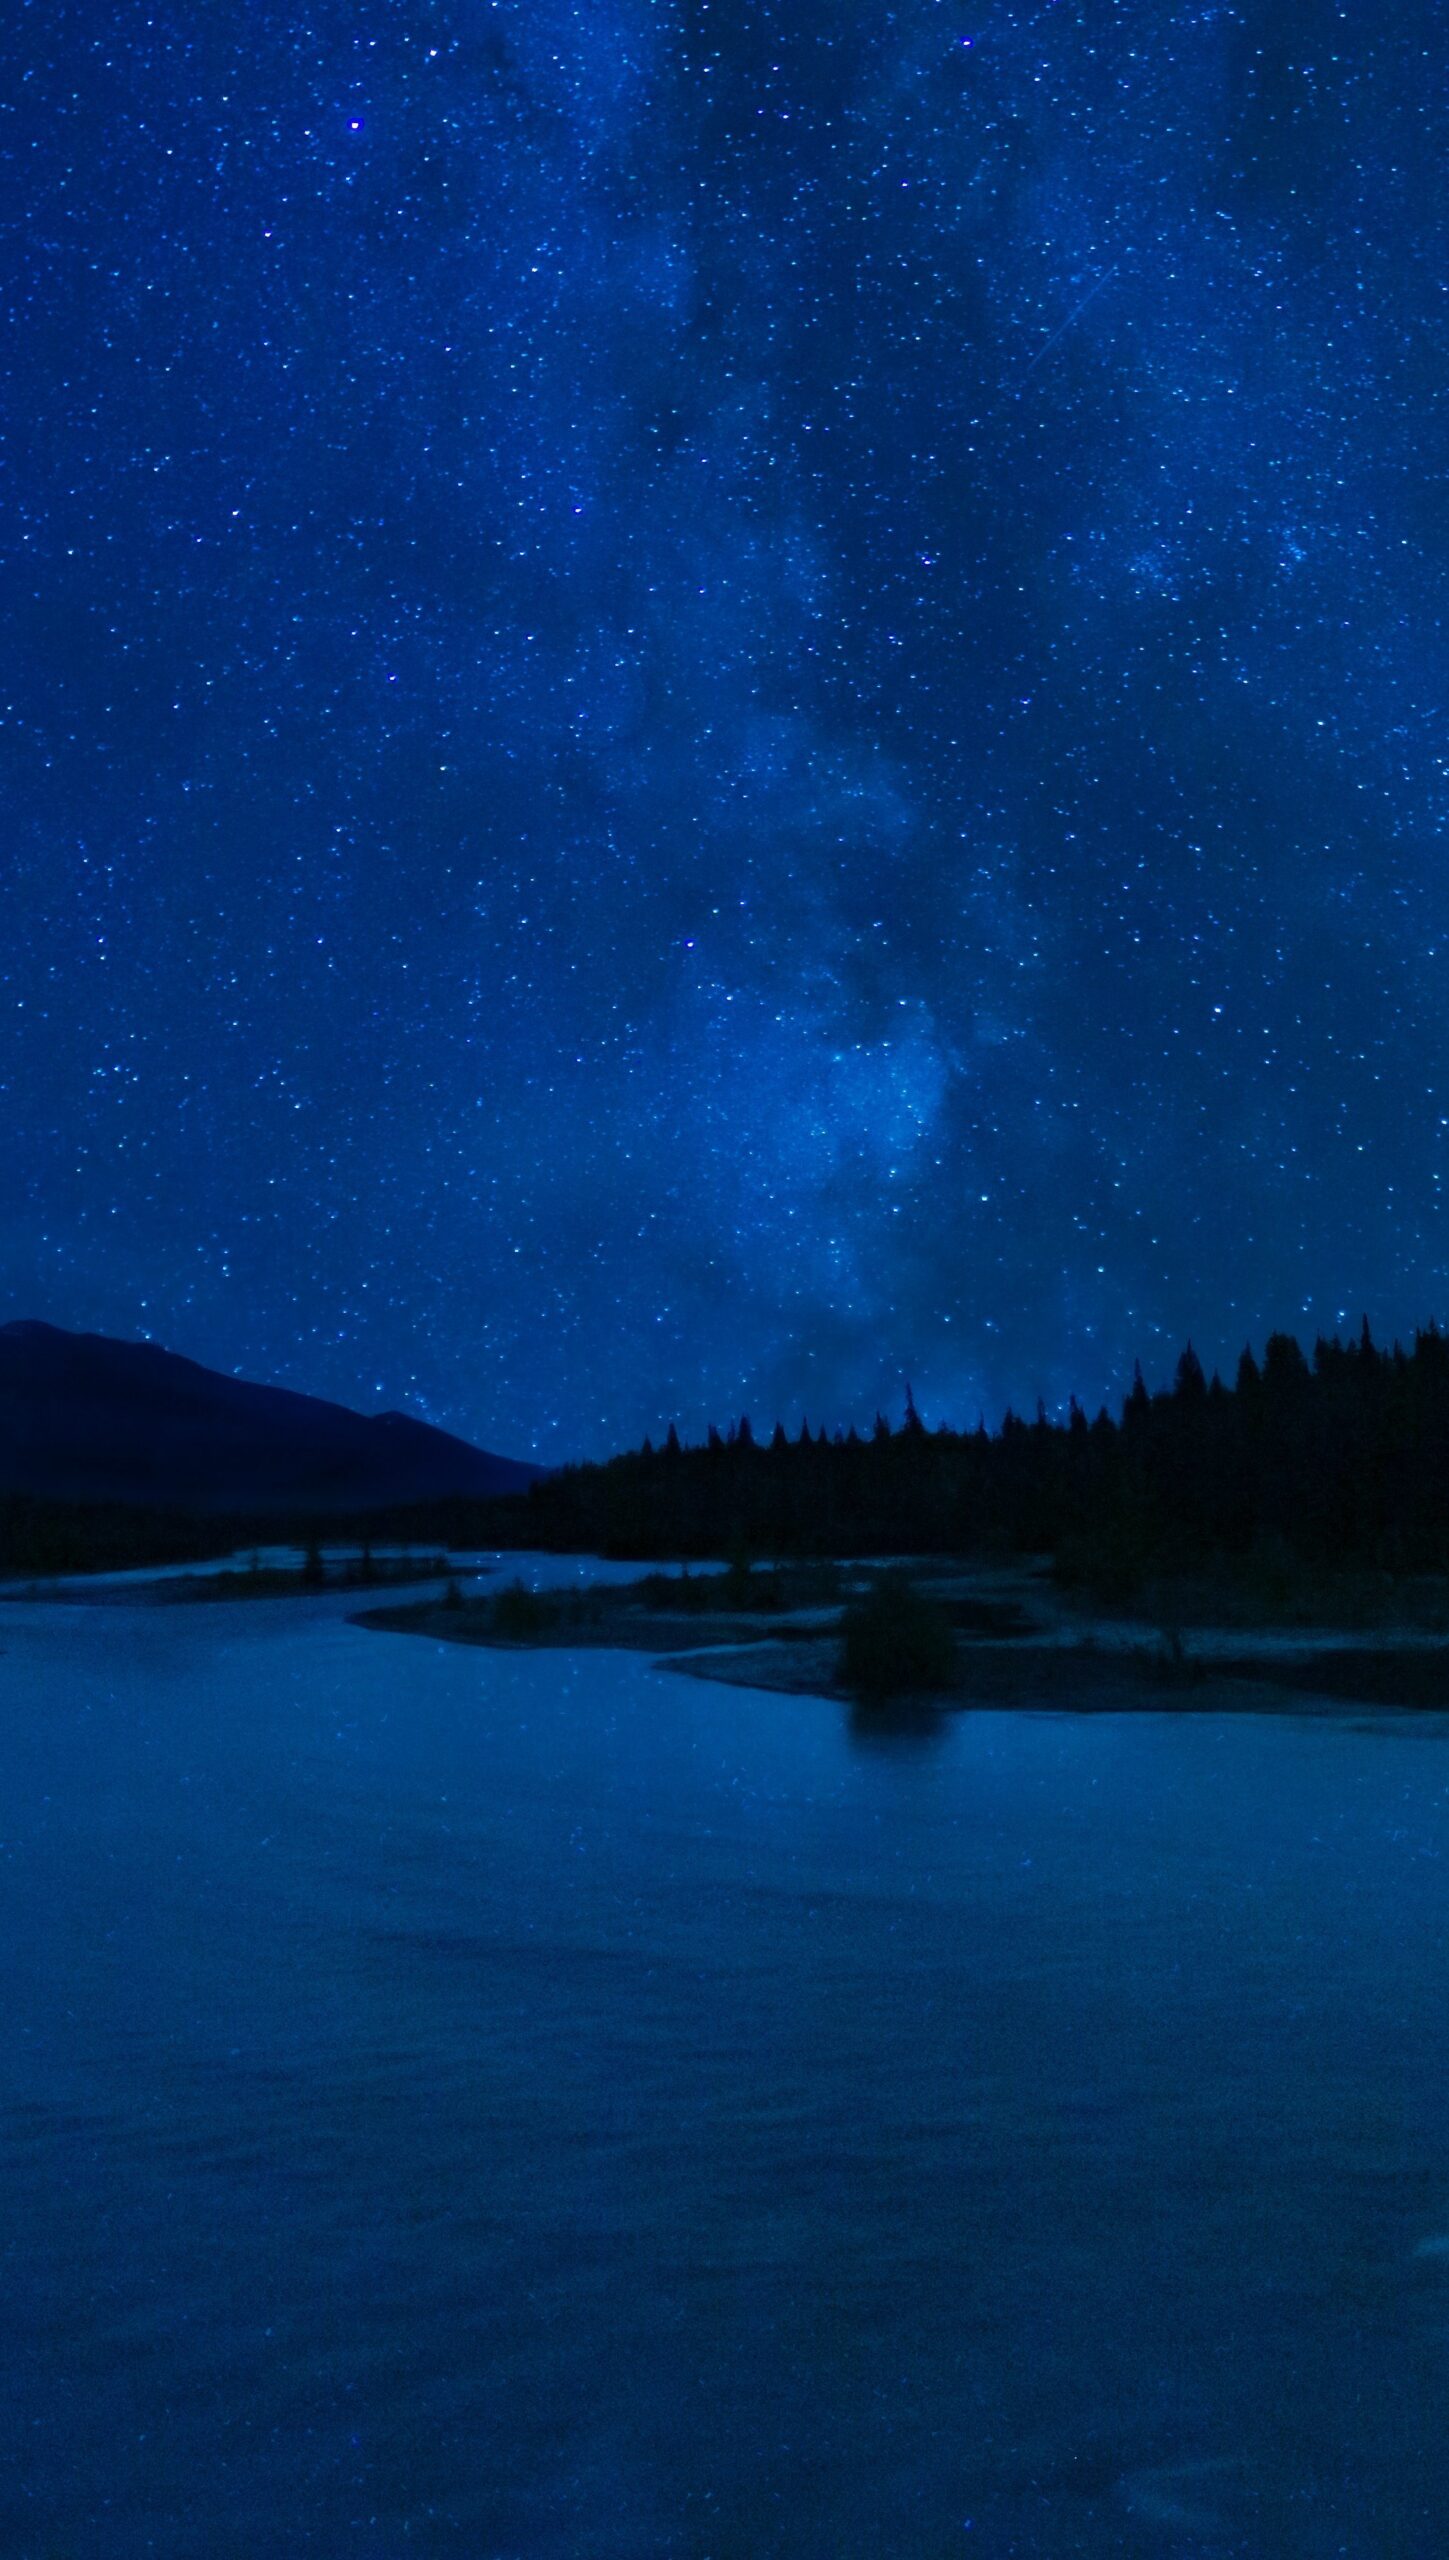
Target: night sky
x=709, y=706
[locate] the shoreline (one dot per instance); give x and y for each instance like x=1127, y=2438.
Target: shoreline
x=1048, y=1666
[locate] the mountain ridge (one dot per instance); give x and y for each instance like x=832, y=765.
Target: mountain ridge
x=90, y=1418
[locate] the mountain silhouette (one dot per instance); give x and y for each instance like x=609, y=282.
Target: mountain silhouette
x=87, y=1419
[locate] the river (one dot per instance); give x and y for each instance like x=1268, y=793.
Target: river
x=532, y=2107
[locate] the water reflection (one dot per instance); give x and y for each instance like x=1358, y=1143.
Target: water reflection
x=897, y=1724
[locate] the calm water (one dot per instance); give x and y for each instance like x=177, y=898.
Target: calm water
x=530, y=2106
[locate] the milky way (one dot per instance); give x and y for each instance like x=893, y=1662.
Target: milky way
x=705, y=707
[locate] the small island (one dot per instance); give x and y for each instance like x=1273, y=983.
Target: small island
x=887, y=1637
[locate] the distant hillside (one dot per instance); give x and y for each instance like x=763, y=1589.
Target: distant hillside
x=86, y=1419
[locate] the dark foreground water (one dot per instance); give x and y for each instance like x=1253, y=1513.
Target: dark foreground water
x=529, y=2106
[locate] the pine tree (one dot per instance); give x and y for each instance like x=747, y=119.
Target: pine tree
x=1191, y=1385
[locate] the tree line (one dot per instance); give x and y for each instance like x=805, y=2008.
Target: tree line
x=1339, y=1458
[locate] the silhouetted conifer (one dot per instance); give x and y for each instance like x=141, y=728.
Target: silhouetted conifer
x=1190, y=1384
x=1285, y=1370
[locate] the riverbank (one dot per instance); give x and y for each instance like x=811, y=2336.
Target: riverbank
x=1018, y=1642
x=265, y=1574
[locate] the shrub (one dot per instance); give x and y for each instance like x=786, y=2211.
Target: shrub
x=519, y=1612
x=659, y=1591
x=694, y=1592
x=739, y=1582
x=895, y=1641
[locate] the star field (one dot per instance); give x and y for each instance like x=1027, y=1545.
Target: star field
x=707, y=706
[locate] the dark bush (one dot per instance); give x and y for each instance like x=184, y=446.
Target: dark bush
x=660, y=1591
x=739, y=1582
x=896, y=1642
x=519, y=1613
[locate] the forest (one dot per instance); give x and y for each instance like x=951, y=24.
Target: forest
x=1339, y=1460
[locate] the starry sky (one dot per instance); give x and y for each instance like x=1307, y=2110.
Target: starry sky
x=709, y=703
